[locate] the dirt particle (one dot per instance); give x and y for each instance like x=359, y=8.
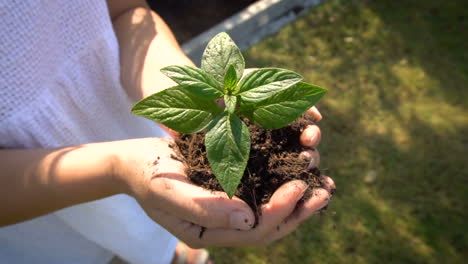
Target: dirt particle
x=202, y=231
x=167, y=186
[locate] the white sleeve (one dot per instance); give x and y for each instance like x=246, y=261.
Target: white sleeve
x=119, y=224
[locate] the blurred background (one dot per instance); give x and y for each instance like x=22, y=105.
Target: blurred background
x=394, y=133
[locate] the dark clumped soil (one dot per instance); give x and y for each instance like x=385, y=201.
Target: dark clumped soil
x=274, y=159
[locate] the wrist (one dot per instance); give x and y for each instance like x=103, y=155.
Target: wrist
x=134, y=162
x=98, y=169
x=117, y=160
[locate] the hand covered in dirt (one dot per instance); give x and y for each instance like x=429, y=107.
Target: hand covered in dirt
x=151, y=172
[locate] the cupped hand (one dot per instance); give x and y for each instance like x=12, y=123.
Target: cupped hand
x=154, y=175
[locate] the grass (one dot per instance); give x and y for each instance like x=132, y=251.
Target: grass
x=394, y=134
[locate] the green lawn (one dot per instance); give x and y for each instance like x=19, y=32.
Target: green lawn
x=394, y=134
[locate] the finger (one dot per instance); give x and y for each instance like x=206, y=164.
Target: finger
x=190, y=233
x=183, y=230
x=280, y=206
x=320, y=198
x=200, y=206
x=313, y=156
x=311, y=136
x=314, y=113
x=328, y=184
x=272, y=227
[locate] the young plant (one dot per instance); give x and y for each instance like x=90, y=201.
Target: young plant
x=269, y=97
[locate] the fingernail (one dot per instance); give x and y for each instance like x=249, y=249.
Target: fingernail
x=311, y=136
x=321, y=192
x=302, y=186
x=323, y=195
x=314, y=159
x=306, y=154
x=241, y=220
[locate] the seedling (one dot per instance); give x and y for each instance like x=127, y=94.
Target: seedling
x=270, y=97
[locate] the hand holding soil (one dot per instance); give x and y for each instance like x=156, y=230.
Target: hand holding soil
x=155, y=175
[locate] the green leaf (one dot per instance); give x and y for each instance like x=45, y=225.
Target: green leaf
x=196, y=80
x=230, y=101
x=228, y=145
x=220, y=53
x=230, y=80
x=286, y=106
x=264, y=83
x=178, y=109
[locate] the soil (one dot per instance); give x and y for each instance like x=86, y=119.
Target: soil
x=274, y=159
x=189, y=18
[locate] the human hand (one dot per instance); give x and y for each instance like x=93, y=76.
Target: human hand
x=150, y=173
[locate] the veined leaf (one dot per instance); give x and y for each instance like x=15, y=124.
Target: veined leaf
x=196, y=80
x=228, y=145
x=231, y=102
x=220, y=53
x=264, y=83
x=230, y=80
x=286, y=106
x=178, y=109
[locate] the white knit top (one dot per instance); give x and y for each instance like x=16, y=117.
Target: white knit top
x=60, y=86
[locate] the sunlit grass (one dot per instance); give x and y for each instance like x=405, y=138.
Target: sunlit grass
x=395, y=131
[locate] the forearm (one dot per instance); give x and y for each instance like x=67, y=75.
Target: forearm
x=146, y=45
x=34, y=182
